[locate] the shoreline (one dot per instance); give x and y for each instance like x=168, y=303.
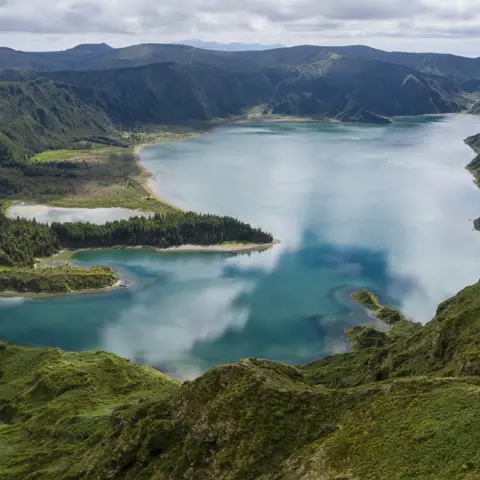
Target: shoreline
x=68, y=257
x=146, y=175
x=37, y=296
x=68, y=254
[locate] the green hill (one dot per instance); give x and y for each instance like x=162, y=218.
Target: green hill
x=336, y=87
x=42, y=114
x=101, y=56
x=406, y=409
x=171, y=93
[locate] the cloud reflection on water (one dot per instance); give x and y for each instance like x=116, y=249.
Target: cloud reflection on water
x=401, y=189
x=386, y=207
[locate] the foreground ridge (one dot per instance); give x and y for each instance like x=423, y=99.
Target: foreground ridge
x=408, y=408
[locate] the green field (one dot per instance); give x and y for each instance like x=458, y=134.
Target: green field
x=70, y=155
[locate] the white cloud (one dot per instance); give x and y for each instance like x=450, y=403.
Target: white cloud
x=396, y=24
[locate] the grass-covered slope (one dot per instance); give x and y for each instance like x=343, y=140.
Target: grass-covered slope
x=23, y=241
x=63, y=279
x=55, y=407
x=334, y=86
x=446, y=346
x=409, y=409
x=42, y=114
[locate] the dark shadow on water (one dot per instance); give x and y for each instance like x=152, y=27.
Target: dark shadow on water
x=299, y=338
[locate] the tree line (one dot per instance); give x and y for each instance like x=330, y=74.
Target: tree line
x=22, y=241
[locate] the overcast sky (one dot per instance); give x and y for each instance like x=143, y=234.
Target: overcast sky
x=412, y=25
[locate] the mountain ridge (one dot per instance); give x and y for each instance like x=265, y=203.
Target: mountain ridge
x=136, y=55
x=330, y=86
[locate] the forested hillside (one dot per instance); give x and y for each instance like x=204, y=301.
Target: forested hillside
x=171, y=93
x=22, y=241
x=41, y=114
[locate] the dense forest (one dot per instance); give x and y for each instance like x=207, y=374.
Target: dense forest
x=22, y=241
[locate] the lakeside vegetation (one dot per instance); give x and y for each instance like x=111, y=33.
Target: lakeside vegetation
x=23, y=241
x=403, y=405
x=162, y=231
x=409, y=408
x=363, y=336
x=56, y=280
x=58, y=148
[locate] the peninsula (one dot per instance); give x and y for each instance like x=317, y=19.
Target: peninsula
x=22, y=242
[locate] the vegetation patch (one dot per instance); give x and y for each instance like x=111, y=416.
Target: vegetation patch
x=367, y=299
x=22, y=242
x=401, y=408
x=62, y=279
x=400, y=325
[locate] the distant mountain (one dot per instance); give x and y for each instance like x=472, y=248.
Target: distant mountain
x=228, y=47
x=102, y=56
x=154, y=84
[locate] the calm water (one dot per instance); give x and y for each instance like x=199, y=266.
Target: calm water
x=45, y=214
x=386, y=207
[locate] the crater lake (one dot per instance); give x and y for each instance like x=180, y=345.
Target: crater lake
x=385, y=207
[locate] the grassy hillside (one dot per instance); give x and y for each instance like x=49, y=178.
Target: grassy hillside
x=337, y=87
x=64, y=279
x=42, y=114
x=409, y=409
x=170, y=93
x=351, y=89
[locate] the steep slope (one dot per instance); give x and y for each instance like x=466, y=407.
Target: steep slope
x=430, y=63
x=410, y=409
x=171, y=93
x=338, y=87
x=43, y=114
x=342, y=86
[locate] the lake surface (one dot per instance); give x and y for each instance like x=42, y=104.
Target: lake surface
x=46, y=214
x=385, y=207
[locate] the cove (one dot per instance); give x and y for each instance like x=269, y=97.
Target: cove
x=383, y=207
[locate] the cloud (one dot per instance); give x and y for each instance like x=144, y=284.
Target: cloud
x=267, y=21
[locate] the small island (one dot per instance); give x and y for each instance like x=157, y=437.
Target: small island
x=23, y=242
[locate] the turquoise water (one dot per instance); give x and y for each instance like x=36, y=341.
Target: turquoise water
x=386, y=207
